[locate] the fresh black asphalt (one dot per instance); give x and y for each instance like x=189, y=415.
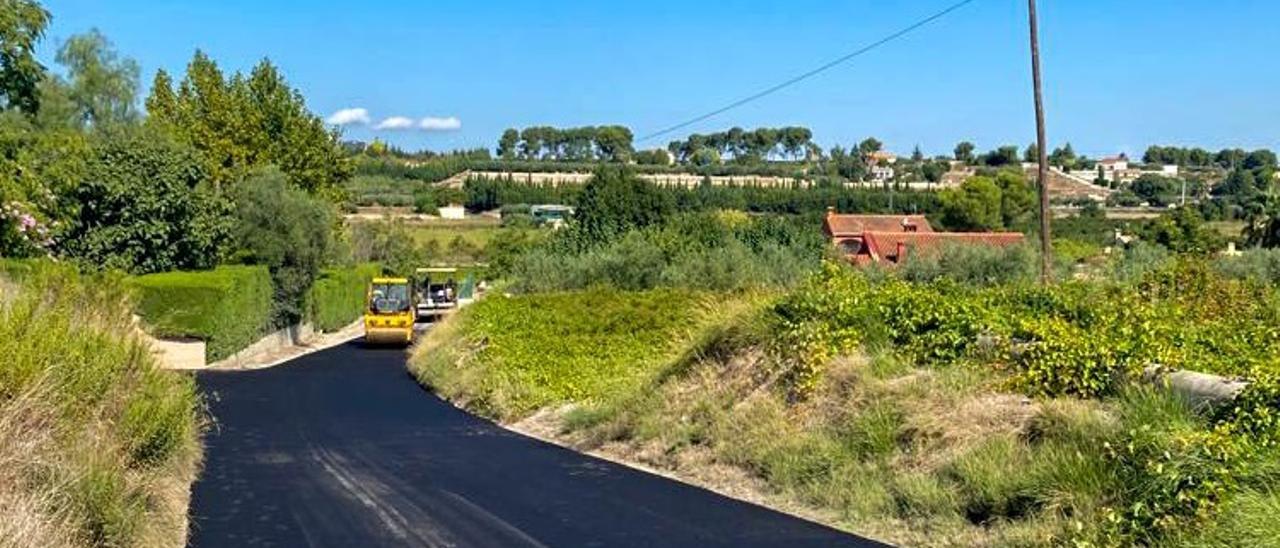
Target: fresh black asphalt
x=343, y=448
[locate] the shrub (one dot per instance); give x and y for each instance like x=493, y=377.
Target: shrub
x=228, y=307
x=286, y=230
x=146, y=208
x=338, y=296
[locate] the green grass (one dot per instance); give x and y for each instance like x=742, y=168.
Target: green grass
x=99, y=445
x=870, y=399
x=523, y=353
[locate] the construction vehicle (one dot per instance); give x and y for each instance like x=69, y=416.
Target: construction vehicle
x=437, y=291
x=389, y=318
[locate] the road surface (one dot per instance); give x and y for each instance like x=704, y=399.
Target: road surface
x=343, y=448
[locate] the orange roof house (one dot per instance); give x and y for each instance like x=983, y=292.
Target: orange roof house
x=867, y=239
x=837, y=225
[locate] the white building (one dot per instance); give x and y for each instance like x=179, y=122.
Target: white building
x=452, y=211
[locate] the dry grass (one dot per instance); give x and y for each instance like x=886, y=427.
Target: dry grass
x=98, y=447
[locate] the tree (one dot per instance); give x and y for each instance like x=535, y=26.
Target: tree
x=868, y=146
x=1182, y=231
x=933, y=170
x=145, y=207
x=287, y=230
x=614, y=143
x=1031, y=154
x=1063, y=157
x=241, y=124
x=1017, y=199
x=1264, y=226
x=705, y=157
x=964, y=152
x=916, y=155
x=507, y=144
x=22, y=25
x=1003, y=156
x=615, y=201
x=975, y=205
x=102, y=85
x=653, y=157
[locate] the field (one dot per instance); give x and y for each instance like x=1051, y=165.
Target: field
x=927, y=413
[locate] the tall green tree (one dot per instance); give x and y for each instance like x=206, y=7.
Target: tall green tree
x=243, y=123
x=975, y=205
x=964, y=152
x=507, y=144
x=614, y=201
x=287, y=230
x=22, y=25
x=101, y=84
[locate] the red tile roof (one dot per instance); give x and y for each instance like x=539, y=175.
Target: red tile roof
x=884, y=245
x=837, y=225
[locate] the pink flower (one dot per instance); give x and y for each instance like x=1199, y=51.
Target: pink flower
x=25, y=222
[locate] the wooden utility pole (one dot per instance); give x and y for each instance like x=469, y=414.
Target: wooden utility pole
x=1046, y=246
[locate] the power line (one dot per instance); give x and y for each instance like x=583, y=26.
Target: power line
x=796, y=79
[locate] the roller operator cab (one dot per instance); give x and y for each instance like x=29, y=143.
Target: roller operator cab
x=389, y=316
x=437, y=290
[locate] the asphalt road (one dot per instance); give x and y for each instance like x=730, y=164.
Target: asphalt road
x=343, y=448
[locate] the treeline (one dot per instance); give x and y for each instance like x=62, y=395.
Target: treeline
x=487, y=194
x=602, y=143
x=1227, y=158
x=746, y=146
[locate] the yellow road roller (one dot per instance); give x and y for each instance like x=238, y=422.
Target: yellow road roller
x=390, y=315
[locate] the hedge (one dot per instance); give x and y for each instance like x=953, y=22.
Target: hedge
x=337, y=297
x=228, y=307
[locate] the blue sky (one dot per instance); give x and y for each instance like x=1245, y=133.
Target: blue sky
x=1118, y=75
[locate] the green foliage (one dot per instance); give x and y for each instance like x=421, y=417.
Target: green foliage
x=606, y=143
x=974, y=265
x=605, y=343
x=228, y=307
x=21, y=28
x=337, y=297
x=145, y=207
x=243, y=123
x=93, y=431
x=974, y=206
x=102, y=86
x=698, y=251
x=390, y=244
x=1183, y=231
x=288, y=231
x=744, y=146
x=615, y=201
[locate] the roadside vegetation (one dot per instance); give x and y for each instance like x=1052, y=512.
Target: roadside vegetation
x=98, y=447
x=949, y=401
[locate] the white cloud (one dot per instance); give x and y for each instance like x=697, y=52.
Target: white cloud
x=395, y=122
x=349, y=116
x=440, y=124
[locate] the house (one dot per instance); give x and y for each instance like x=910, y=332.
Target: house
x=890, y=239
x=882, y=157
x=881, y=174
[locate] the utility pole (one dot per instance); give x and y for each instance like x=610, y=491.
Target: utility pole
x=1046, y=247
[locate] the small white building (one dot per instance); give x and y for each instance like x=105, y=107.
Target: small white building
x=452, y=211
x=881, y=173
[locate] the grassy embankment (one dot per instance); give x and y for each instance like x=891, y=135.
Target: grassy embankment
x=920, y=413
x=97, y=446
